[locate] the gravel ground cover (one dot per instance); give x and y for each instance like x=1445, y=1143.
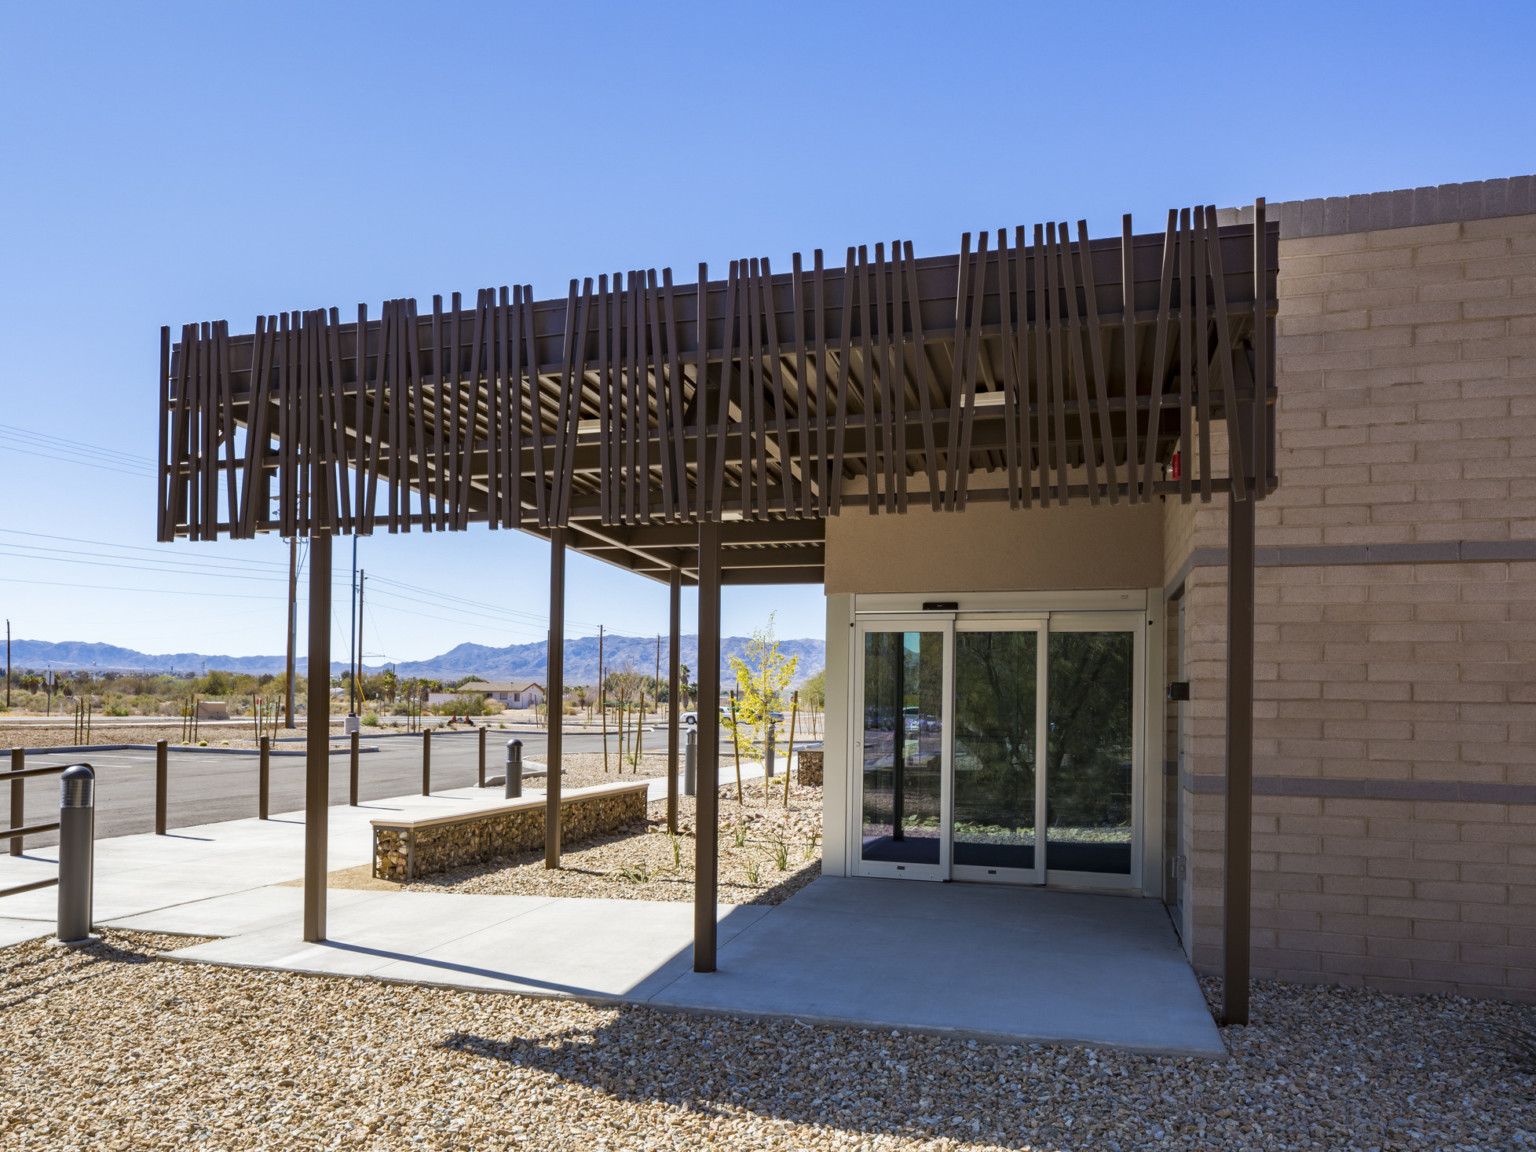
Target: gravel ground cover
x=216, y=735
x=109, y=1048
x=767, y=853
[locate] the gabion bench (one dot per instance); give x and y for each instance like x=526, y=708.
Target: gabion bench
x=404, y=850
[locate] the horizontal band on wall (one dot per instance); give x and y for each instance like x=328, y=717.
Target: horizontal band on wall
x=1301, y=555
x=1465, y=792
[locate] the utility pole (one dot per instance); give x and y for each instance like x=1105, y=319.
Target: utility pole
x=7, y=664
x=361, y=579
x=656, y=680
x=293, y=599
x=353, y=646
x=602, y=696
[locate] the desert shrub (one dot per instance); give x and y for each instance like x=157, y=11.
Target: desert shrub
x=118, y=710
x=463, y=705
x=371, y=719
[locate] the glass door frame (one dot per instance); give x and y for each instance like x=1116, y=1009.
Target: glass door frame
x=1109, y=619
x=943, y=623
x=1039, y=623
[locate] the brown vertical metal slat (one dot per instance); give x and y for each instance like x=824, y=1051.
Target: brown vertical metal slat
x=1021, y=365
x=660, y=389
x=439, y=398
x=889, y=387
x=717, y=442
x=507, y=430
x=535, y=412
x=971, y=373
x=1237, y=446
x=1160, y=350
x=400, y=435
x=576, y=376
x=898, y=376
x=754, y=413
x=605, y=381
x=466, y=463
x=497, y=464
x=191, y=352
x=649, y=384
x=200, y=430
x=873, y=448
x=701, y=500
x=1186, y=355
x=563, y=405
x=318, y=404
x=676, y=441
x=823, y=454
x=181, y=456
x=515, y=405
x=844, y=344
x=1080, y=385
x=207, y=458
x=343, y=490
x=1096, y=362
x=285, y=493
x=616, y=433
x=382, y=401
x=376, y=425
x=1058, y=336
x=1009, y=377
x=1202, y=347
x=776, y=375
x=256, y=429
x=227, y=423
x=450, y=457
x=1042, y=385
x=924, y=374
x=957, y=374
x=164, y=528
x=803, y=382
x=418, y=414
x=492, y=441
x=389, y=398
x=1128, y=319
x=1261, y=410
x=633, y=490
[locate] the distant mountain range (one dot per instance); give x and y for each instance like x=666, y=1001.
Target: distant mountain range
x=515, y=662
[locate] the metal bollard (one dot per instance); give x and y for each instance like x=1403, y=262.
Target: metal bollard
x=426, y=762
x=18, y=798
x=352, y=784
x=482, y=758
x=77, y=846
x=160, y=787
x=264, y=779
x=768, y=757
x=512, y=786
x=690, y=763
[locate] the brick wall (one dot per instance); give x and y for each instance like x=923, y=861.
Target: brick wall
x=1395, y=826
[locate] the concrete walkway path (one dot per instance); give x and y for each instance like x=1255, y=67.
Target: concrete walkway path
x=997, y=963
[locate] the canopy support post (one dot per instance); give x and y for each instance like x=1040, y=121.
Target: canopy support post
x=317, y=737
x=706, y=831
x=554, y=696
x=674, y=692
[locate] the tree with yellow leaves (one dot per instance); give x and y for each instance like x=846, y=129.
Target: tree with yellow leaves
x=762, y=681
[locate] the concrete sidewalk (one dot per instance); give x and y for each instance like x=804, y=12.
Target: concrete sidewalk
x=998, y=963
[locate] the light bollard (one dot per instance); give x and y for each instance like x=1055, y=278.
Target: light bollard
x=512, y=786
x=768, y=757
x=690, y=763
x=264, y=778
x=482, y=758
x=426, y=762
x=77, y=848
x=352, y=772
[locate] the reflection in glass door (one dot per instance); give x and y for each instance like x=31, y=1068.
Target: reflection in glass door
x=1090, y=752
x=996, y=728
x=901, y=751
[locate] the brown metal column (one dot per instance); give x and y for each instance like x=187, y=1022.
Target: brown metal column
x=317, y=737
x=706, y=834
x=674, y=695
x=1239, y=821
x=554, y=695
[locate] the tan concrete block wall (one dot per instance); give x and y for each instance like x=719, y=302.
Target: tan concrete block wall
x=1407, y=414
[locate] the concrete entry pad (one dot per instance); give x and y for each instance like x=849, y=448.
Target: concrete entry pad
x=1007, y=964
x=994, y=962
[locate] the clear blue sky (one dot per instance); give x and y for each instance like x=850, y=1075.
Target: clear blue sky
x=167, y=163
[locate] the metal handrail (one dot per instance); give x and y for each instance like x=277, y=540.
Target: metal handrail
x=16, y=831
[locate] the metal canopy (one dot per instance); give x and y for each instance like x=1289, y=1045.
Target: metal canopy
x=1036, y=369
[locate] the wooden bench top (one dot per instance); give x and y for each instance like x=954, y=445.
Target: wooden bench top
x=523, y=804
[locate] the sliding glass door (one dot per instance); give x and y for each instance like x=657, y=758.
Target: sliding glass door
x=999, y=748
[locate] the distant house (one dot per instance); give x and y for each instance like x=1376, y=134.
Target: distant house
x=526, y=694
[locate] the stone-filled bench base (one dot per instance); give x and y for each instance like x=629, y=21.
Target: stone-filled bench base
x=406, y=849
x=808, y=766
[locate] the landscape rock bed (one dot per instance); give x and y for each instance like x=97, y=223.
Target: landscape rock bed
x=642, y=862
x=408, y=853
x=110, y=1049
